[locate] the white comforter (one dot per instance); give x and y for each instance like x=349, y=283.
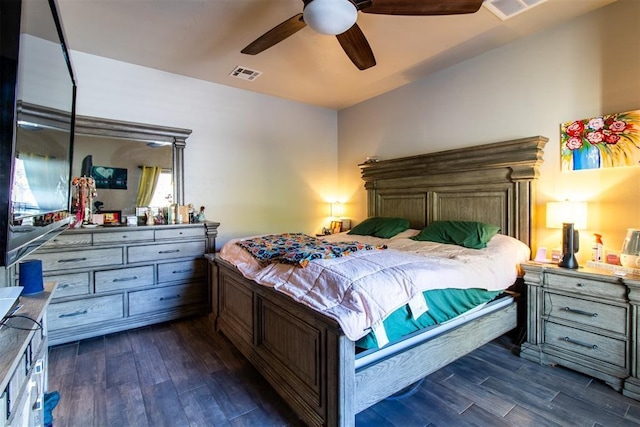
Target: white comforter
x=361, y=289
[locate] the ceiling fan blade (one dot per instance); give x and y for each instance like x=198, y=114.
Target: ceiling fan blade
x=275, y=35
x=357, y=47
x=419, y=7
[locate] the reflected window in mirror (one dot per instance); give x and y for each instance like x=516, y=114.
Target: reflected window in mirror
x=163, y=193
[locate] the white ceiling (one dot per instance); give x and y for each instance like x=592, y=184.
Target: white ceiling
x=203, y=39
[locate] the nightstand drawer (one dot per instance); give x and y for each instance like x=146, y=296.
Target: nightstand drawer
x=82, y=312
x=592, y=346
x=586, y=286
x=597, y=315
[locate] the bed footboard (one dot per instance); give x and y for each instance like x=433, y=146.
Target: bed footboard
x=312, y=364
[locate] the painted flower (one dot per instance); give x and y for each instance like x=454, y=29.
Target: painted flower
x=595, y=137
x=610, y=137
x=618, y=126
x=574, y=142
x=575, y=129
x=596, y=123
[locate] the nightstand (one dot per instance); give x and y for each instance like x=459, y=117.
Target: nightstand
x=586, y=320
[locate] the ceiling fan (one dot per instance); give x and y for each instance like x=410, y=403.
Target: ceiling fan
x=338, y=17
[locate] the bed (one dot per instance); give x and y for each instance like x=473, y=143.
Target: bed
x=306, y=355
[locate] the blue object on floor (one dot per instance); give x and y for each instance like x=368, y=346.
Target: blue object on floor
x=50, y=402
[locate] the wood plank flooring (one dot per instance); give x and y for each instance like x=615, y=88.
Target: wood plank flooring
x=184, y=374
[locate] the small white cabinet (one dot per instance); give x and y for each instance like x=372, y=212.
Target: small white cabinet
x=23, y=363
x=116, y=278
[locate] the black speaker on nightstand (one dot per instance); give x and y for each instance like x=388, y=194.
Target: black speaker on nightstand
x=570, y=245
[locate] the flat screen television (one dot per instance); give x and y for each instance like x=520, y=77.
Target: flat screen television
x=37, y=120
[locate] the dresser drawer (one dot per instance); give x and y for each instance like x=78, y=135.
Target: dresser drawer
x=182, y=270
x=69, y=239
x=124, y=236
x=604, y=316
x=584, y=286
x=80, y=259
x=70, y=284
x=123, y=278
x=166, y=298
x=591, y=346
x=165, y=251
x=82, y=312
x=180, y=233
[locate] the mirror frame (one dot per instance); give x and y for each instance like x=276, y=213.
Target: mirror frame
x=95, y=126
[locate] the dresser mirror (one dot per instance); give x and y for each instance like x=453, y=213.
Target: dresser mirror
x=118, y=151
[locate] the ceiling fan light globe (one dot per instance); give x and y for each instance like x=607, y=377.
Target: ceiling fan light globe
x=330, y=17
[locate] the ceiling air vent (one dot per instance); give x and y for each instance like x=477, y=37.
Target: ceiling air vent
x=245, y=73
x=505, y=9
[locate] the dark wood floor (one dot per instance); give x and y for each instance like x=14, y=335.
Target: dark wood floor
x=184, y=374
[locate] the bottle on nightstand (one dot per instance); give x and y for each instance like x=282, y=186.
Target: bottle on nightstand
x=598, y=249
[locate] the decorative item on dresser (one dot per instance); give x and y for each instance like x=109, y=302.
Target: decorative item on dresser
x=23, y=365
x=117, y=278
x=587, y=320
x=307, y=357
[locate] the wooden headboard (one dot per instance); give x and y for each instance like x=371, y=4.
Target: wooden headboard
x=492, y=183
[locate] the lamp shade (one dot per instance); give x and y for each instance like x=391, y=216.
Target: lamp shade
x=330, y=17
x=567, y=212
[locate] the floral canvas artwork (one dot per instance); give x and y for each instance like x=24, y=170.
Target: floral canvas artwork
x=601, y=142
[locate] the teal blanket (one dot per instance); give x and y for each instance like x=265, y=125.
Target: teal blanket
x=444, y=304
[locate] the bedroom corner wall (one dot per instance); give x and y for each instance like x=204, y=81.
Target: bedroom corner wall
x=258, y=164
x=586, y=67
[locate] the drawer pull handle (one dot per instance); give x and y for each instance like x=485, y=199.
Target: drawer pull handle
x=584, y=313
x=172, y=251
x=580, y=285
x=76, y=313
x=73, y=259
x=170, y=298
x=188, y=270
x=580, y=343
x=125, y=279
x=65, y=286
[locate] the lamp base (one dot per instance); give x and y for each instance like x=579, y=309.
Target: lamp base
x=568, y=261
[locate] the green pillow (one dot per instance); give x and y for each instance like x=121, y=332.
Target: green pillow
x=469, y=234
x=378, y=226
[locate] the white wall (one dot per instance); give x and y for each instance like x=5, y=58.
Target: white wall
x=586, y=67
x=259, y=164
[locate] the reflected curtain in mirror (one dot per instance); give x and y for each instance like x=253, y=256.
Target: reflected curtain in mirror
x=148, y=182
x=49, y=194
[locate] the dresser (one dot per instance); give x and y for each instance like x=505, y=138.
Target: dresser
x=585, y=319
x=116, y=278
x=23, y=362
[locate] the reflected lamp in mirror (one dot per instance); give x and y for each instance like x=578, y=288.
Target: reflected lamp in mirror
x=570, y=217
x=336, y=213
x=336, y=210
